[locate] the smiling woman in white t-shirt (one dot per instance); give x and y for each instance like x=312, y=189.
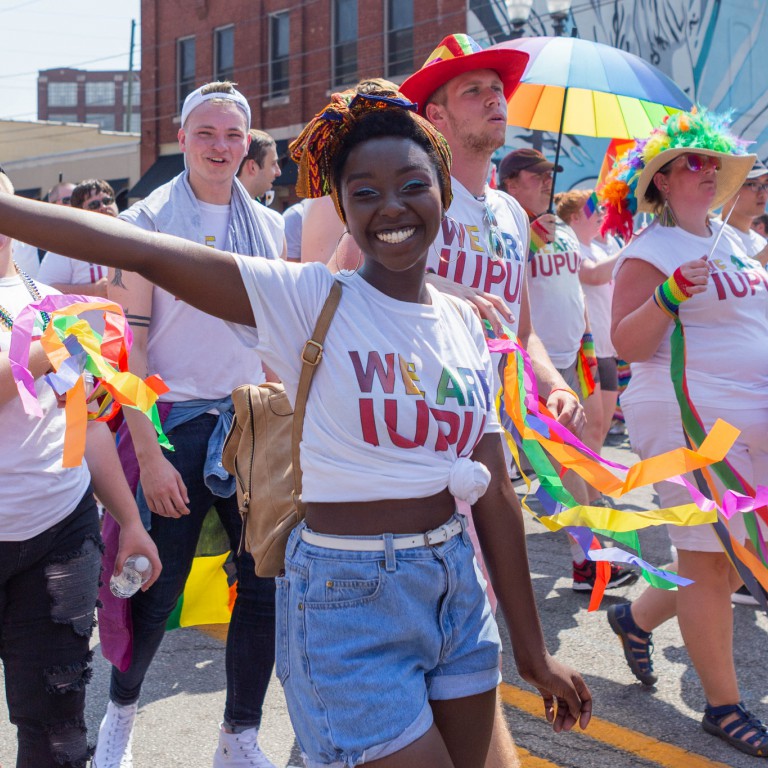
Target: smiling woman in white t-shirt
x=386, y=645
x=686, y=266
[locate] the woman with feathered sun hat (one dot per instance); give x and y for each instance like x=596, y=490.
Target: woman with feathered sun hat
x=686, y=277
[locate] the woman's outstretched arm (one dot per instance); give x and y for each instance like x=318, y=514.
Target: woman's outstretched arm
x=203, y=277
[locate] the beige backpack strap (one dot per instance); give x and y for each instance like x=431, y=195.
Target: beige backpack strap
x=311, y=355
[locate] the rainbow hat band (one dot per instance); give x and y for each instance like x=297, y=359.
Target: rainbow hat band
x=456, y=55
x=701, y=132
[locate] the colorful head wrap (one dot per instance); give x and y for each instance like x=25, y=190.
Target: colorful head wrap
x=624, y=192
x=316, y=148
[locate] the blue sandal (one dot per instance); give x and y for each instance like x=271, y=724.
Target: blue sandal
x=638, y=649
x=735, y=732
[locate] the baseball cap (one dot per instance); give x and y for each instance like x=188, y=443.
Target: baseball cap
x=526, y=159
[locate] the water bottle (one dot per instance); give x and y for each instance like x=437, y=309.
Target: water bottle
x=137, y=570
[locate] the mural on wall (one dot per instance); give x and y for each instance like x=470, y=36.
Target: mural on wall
x=714, y=50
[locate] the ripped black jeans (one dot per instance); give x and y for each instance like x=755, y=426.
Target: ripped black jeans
x=48, y=589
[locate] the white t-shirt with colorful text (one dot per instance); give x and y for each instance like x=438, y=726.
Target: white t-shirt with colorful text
x=403, y=389
x=462, y=250
x=557, y=300
x=726, y=327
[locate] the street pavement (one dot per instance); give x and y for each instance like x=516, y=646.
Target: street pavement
x=183, y=697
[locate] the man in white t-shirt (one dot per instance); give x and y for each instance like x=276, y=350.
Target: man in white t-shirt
x=481, y=251
x=72, y=276
x=483, y=243
x=744, y=206
x=202, y=361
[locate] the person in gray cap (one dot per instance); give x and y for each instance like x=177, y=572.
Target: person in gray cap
x=747, y=203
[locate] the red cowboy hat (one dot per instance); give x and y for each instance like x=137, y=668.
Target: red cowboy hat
x=457, y=54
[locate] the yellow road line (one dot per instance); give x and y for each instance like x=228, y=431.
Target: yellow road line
x=645, y=747
x=527, y=760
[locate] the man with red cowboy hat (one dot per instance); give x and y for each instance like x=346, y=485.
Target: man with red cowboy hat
x=483, y=246
x=483, y=243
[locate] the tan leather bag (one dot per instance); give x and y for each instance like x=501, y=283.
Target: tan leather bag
x=262, y=452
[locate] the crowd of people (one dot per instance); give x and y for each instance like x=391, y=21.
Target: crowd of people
x=382, y=628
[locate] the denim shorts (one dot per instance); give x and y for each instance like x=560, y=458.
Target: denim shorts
x=365, y=639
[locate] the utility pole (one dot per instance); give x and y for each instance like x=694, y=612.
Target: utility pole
x=129, y=101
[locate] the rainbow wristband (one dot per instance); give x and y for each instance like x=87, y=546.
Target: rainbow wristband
x=672, y=293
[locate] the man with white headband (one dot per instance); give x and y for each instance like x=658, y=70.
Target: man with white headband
x=201, y=361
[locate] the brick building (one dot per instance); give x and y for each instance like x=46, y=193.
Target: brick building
x=287, y=56
x=80, y=96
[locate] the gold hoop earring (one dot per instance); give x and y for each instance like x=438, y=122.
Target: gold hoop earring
x=667, y=216
x=434, y=247
x=441, y=258
x=346, y=272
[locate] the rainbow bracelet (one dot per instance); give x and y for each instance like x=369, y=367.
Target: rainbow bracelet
x=672, y=293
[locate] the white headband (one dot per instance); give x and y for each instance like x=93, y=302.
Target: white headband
x=196, y=98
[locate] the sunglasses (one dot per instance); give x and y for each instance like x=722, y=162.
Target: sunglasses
x=94, y=205
x=64, y=200
x=695, y=163
x=495, y=238
x=756, y=186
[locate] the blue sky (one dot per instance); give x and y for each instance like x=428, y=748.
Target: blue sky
x=42, y=34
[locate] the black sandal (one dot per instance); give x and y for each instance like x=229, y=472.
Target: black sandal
x=638, y=649
x=735, y=732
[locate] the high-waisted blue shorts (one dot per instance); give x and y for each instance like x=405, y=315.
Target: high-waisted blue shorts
x=365, y=639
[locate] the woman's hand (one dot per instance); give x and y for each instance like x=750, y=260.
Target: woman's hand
x=696, y=273
x=567, y=699
x=134, y=540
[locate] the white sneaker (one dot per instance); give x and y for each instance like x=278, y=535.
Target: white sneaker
x=240, y=750
x=113, y=745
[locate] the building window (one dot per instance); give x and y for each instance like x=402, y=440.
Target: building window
x=135, y=92
x=105, y=121
x=399, y=37
x=99, y=94
x=62, y=94
x=224, y=53
x=344, y=41
x=279, y=48
x=63, y=117
x=135, y=126
x=185, y=68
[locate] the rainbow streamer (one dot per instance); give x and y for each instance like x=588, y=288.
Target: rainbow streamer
x=74, y=349
x=522, y=414
x=739, y=496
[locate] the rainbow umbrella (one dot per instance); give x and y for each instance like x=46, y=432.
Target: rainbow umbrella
x=590, y=89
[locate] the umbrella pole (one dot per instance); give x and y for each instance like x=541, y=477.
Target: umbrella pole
x=557, y=152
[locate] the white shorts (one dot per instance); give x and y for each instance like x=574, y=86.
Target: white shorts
x=655, y=428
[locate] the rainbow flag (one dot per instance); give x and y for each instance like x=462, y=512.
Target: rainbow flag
x=616, y=148
x=211, y=587
x=538, y=237
x=591, y=206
